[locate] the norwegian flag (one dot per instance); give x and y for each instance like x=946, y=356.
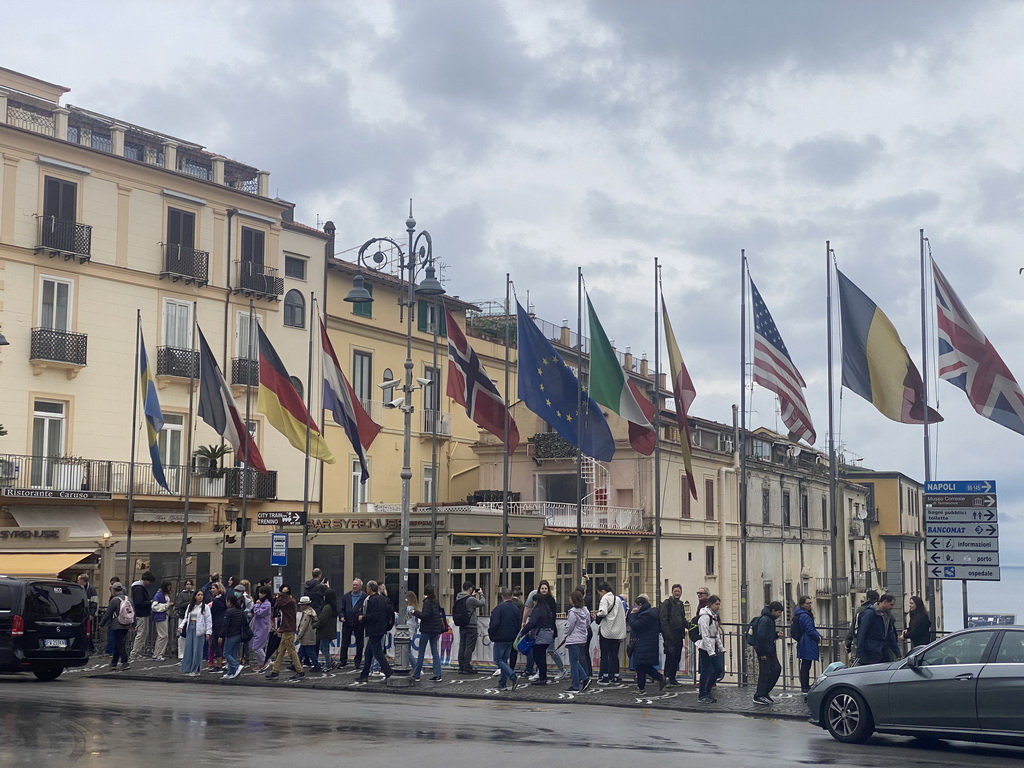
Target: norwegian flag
x=774, y=370
x=471, y=387
x=968, y=360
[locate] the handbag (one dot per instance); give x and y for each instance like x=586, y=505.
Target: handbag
x=631, y=645
x=524, y=642
x=544, y=636
x=246, y=632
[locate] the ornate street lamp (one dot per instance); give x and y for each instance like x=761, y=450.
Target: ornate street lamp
x=408, y=264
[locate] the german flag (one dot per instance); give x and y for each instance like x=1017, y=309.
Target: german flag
x=280, y=403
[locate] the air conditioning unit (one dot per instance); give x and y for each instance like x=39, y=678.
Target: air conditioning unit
x=8, y=472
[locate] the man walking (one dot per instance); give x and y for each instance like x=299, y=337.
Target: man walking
x=351, y=629
x=672, y=614
x=503, y=628
x=142, y=602
x=315, y=589
x=285, y=607
x=464, y=614
x=876, y=637
x=94, y=605
x=766, y=635
x=870, y=598
x=376, y=625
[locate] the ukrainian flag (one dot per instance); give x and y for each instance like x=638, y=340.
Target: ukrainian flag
x=151, y=410
x=876, y=365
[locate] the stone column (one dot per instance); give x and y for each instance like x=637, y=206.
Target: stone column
x=60, y=122
x=3, y=106
x=218, y=169
x=117, y=139
x=263, y=188
x=171, y=155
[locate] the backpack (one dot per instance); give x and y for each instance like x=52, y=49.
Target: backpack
x=125, y=611
x=246, y=631
x=751, y=637
x=693, y=630
x=796, y=629
x=460, y=612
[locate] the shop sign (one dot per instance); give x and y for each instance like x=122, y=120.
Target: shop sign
x=369, y=524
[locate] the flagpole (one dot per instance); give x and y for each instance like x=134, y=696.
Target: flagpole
x=129, y=561
x=435, y=400
x=832, y=469
x=505, y=464
x=193, y=365
x=250, y=355
x=579, y=424
x=742, y=447
x=930, y=583
x=657, y=444
x=306, y=462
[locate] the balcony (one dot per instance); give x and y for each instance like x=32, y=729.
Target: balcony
x=59, y=237
x=57, y=476
x=256, y=484
x=823, y=587
x=186, y=264
x=258, y=280
x=58, y=349
x=432, y=420
x=561, y=515
x=245, y=372
x=174, y=361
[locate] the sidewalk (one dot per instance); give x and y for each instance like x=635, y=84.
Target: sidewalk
x=788, y=704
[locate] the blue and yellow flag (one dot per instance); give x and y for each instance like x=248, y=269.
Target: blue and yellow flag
x=151, y=409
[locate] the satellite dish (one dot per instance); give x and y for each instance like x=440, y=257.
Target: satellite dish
x=862, y=514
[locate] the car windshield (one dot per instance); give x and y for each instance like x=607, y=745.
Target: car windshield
x=56, y=602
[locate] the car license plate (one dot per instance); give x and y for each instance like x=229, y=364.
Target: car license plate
x=50, y=643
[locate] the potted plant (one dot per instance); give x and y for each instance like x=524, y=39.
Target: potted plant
x=209, y=469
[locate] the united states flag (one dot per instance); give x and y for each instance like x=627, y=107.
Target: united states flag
x=968, y=360
x=774, y=370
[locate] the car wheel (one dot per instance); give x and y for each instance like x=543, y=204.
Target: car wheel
x=46, y=674
x=847, y=717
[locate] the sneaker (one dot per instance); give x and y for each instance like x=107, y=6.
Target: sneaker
x=193, y=674
x=763, y=700
x=435, y=679
x=535, y=677
x=661, y=684
x=158, y=658
x=585, y=685
x=559, y=677
x=514, y=680
x=616, y=679
x=602, y=681
x=342, y=665
x=706, y=700
x=497, y=673
x=539, y=682
x=236, y=674
x=362, y=679
x=297, y=677
x=502, y=689
x=273, y=676
x=376, y=674
x=641, y=691
x=770, y=699
x=125, y=667
x=571, y=689
x=415, y=679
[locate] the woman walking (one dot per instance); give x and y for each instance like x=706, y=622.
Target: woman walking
x=197, y=626
x=542, y=624
x=327, y=627
x=218, y=607
x=645, y=625
x=807, y=645
x=161, y=602
x=234, y=617
x=432, y=625
x=711, y=649
x=181, y=603
x=260, y=628
x=611, y=621
x=576, y=626
x=919, y=624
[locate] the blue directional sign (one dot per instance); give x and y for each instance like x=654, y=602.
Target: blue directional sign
x=960, y=486
x=279, y=549
x=961, y=529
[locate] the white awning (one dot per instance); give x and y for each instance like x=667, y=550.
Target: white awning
x=81, y=522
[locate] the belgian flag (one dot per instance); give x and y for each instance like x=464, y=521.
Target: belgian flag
x=280, y=403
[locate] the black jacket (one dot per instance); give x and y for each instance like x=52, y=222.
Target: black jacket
x=431, y=618
x=375, y=620
x=315, y=589
x=543, y=615
x=505, y=622
x=142, y=601
x=672, y=617
x=645, y=627
x=350, y=613
x=765, y=633
x=233, y=618
x=326, y=623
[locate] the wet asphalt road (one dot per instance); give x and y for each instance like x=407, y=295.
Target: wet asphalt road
x=95, y=722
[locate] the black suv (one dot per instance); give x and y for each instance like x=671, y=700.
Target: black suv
x=43, y=626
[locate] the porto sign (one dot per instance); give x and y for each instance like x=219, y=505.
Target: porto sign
x=962, y=530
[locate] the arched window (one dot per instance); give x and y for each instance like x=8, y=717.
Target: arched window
x=294, y=309
x=389, y=392
x=297, y=384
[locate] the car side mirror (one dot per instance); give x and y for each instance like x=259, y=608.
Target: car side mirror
x=914, y=660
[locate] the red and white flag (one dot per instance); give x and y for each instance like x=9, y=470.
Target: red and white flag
x=471, y=387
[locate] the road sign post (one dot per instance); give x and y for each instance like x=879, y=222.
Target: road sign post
x=279, y=549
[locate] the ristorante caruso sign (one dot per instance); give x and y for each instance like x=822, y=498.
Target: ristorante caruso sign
x=47, y=493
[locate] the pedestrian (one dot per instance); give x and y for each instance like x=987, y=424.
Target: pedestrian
x=161, y=603
x=464, y=614
x=807, y=640
x=703, y=593
x=710, y=648
x=517, y=601
x=94, y=606
x=611, y=621
x=553, y=653
x=260, y=628
x=870, y=598
x=215, y=648
x=541, y=625
x=919, y=624
x=502, y=630
x=351, y=609
x=142, y=602
x=876, y=636
x=115, y=617
x=433, y=624
x=645, y=626
x=766, y=636
x=376, y=619
x=208, y=587
x=315, y=588
x=576, y=626
x=672, y=615
x=327, y=626
x=234, y=618
x=181, y=604
x=412, y=607
x=195, y=627
x=285, y=605
x=306, y=634
x=109, y=649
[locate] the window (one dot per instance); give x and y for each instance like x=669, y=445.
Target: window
x=432, y=392
x=429, y=314
x=294, y=267
x=247, y=329
x=389, y=392
x=48, y=430
x=252, y=250
x=636, y=578
x=961, y=649
x=766, y=506
x=297, y=383
x=171, y=440
x=55, y=306
x=474, y=568
x=428, y=483
x=824, y=512
x=786, y=521
x=60, y=199
x=761, y=449
x=522, y=571
x=709, y=499
x=565, y=583
x=604, y=570
x=294, y=309
x=767, y=595
x=684, y=496
x=709, y=561
x=177, y=324
x=360, y=490
x=181, y=229
x=1011, y=648
x=364, y=308
x=362, y=376
x=805, y=514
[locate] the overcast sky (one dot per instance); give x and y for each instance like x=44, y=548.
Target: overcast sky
x=536, y=137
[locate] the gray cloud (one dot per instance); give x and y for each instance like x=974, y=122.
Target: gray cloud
x=834, y=160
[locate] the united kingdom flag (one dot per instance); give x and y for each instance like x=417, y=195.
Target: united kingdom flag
x=470, y=386
x=968, y=360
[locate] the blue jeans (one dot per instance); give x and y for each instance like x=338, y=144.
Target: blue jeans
x=417, y=667
x=501, y=650
x=711, y=668
x=308, y=655
x=192, y=659
x=325, y=649
x=231, y=652
x=579, y=674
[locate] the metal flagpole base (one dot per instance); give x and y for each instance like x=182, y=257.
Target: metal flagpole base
x=401, y=670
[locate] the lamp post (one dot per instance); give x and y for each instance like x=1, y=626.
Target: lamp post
x=408, y=263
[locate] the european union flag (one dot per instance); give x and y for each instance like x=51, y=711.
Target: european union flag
x=550, y=390
x=151, y=409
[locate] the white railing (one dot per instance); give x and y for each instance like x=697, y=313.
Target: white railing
x=31, y=121
x=562, y=515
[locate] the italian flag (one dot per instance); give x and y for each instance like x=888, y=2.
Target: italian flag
x=610, y=388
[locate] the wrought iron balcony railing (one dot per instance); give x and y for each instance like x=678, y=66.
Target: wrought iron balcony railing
x=174, y=361
x=257, y=279
x=67, y=238
x=187, y=264
x=59, y=346
x=256, y=484
x=245, y=371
